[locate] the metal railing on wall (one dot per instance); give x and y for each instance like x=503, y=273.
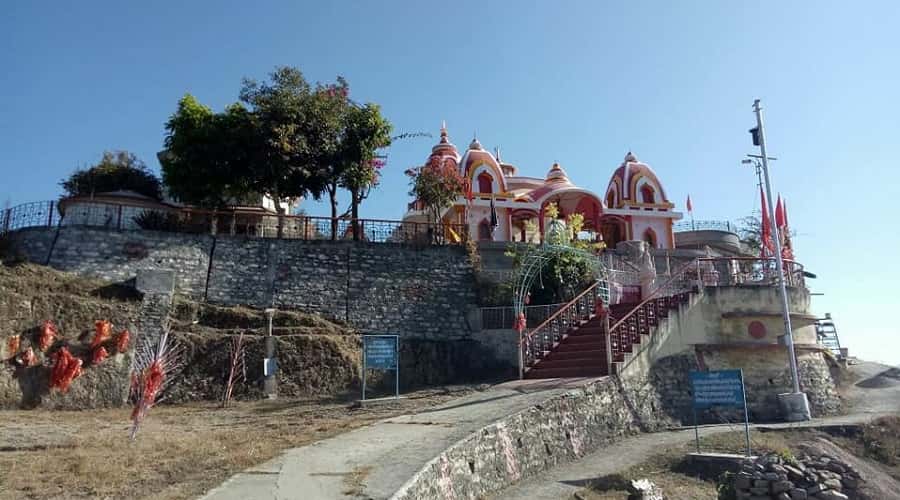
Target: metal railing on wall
x=705, y=225
x=251, y=223
x=504, y=317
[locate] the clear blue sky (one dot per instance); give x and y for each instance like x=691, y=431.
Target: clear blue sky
x=576, y=82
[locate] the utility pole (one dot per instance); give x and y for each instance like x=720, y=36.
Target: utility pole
x=795, y=404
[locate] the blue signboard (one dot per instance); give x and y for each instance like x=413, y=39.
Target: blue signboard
x=380, y=351
x=718, y=388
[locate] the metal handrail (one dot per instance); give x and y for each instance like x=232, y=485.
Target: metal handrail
x=652, y=297
x=794, y=272
x=654, y=294
x=563, y=317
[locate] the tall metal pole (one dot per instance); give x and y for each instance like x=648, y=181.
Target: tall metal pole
x=788, y=332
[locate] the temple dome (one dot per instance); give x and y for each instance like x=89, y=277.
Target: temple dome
x=623, y=185
x=557, y=174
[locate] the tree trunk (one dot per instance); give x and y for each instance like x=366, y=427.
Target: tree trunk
x=332, y=196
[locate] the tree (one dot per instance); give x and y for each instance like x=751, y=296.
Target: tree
x=286, y=157
x=116, y=171
x=750, y=231
x=206, y=158
x=437, y=185
x=365, y=131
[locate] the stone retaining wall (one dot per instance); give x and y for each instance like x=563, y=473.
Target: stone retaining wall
x=384, y=288
x=560, y=429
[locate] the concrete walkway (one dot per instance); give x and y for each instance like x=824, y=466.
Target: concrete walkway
x=375, y=461
x=876, y=393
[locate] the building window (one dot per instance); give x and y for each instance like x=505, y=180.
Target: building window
x=484, y=231
x=647, y=195
x=485, y=183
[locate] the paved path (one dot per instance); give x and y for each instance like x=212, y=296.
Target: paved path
x=375, y=461
x=876, y=393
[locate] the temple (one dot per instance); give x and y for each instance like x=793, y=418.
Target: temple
x=504, y=205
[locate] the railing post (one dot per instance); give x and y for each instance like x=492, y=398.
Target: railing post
x=7, y=216
x=119, y=219
x=50, y=215
x=521, y=357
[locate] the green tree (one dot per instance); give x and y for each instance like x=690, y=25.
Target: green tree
x=116, y=171
x=365, y=131
x=437, y=185
x=205, y=162
x=290, y=147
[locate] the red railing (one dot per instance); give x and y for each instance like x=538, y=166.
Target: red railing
x=539, y=341
x=243, y=222
x=626, y=331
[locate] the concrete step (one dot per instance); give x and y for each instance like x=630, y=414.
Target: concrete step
x=596, y=345
x=583, y=338
x=579, y=354
x=535, y=373
x=546, y=364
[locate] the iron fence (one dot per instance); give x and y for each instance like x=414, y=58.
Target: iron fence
x=250, y=223
x=504, y=317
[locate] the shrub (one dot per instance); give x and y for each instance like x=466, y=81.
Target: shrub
x=157, y=220
x=116, y=171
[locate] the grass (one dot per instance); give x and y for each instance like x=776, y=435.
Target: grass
x=180, y=452
x=879, y=441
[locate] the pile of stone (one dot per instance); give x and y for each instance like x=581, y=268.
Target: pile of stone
x=808, y=477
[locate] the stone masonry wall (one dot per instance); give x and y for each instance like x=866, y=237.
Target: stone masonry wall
x=383, y=288
x=560, y=429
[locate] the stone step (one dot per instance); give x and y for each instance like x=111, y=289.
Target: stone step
x=546, y=364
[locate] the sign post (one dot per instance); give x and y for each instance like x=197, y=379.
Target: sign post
x=721, y=388
x=381, y=352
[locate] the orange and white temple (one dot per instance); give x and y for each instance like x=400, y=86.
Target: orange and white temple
x=634, y=206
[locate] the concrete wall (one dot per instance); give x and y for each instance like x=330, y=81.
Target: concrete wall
x=413, y=292
x=697, y=337
x=725, y=314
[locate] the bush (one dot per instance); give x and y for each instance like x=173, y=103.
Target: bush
x=116, y=171
x=156, y=220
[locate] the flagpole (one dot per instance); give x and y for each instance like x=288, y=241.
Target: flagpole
x=788, y=331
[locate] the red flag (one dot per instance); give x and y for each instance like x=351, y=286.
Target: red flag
x=469, y=195
x=690, y=206
x=765, y=229
x=779, y=214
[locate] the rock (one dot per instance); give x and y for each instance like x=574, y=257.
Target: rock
x=771, y=476
x=851, y=483
x=761, y=483
x=798, y=494
x=832, y=495
x=760, y=491
x=781, y=486
x=644, y=489
x=783, y=496
x=742, y=482
x=793, y=473
x=836, y=467
x=834, y=484
x=814, y=489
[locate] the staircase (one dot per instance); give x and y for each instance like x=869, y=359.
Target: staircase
x=827, y=336
x=577, y=342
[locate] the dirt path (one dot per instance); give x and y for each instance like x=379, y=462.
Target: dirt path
x=876, y=393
